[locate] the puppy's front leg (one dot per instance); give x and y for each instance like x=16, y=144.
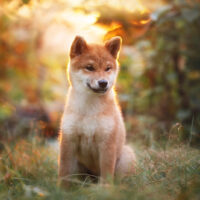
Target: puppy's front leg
x=67, y=160
x=107, y=162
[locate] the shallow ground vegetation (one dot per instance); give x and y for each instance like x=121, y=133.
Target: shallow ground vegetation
x=28, y=170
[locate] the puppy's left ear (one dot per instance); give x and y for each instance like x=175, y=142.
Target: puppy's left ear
x=113, y=46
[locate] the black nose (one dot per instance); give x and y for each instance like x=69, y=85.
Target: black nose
x=102, y=84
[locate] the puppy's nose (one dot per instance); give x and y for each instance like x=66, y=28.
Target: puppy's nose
x=102, y=84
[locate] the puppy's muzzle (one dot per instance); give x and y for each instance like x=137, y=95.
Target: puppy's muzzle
x=102, y=87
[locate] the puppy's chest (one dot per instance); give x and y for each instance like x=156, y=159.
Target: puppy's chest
x=88, y=126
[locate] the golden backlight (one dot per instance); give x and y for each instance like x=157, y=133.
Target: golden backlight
x=94, y=20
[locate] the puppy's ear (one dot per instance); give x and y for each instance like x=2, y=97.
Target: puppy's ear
x=113, y=46
x=79, y=45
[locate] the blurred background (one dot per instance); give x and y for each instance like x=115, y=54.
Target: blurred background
x=159, y=81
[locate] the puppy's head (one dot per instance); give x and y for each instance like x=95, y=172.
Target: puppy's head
x=93, y=68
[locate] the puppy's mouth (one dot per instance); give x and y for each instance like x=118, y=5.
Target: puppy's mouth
x=97, y=90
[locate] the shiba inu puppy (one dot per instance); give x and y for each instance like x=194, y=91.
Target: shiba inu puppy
x=92, y=136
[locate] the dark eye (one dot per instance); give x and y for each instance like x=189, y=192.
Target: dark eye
x=108, y=68
x=89, y=68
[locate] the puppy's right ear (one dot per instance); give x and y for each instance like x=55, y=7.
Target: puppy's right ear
x=79, y=45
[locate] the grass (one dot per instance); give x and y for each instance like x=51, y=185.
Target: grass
x=28, y=170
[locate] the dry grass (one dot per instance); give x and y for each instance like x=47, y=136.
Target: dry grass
x=28, y=170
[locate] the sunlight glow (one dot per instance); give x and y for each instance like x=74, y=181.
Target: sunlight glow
x=135, y=5
x=59, y=22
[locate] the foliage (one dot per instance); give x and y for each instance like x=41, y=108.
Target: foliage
x=28, y=77
x=167, y=89
x=173, y=67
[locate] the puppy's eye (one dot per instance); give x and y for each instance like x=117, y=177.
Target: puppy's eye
x=108, y=68
x=89, y=68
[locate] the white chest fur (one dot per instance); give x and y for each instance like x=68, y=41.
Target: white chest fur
x=74, y=124
x=86, y=117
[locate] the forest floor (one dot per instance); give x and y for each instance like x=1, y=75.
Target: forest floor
x=28, y=170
